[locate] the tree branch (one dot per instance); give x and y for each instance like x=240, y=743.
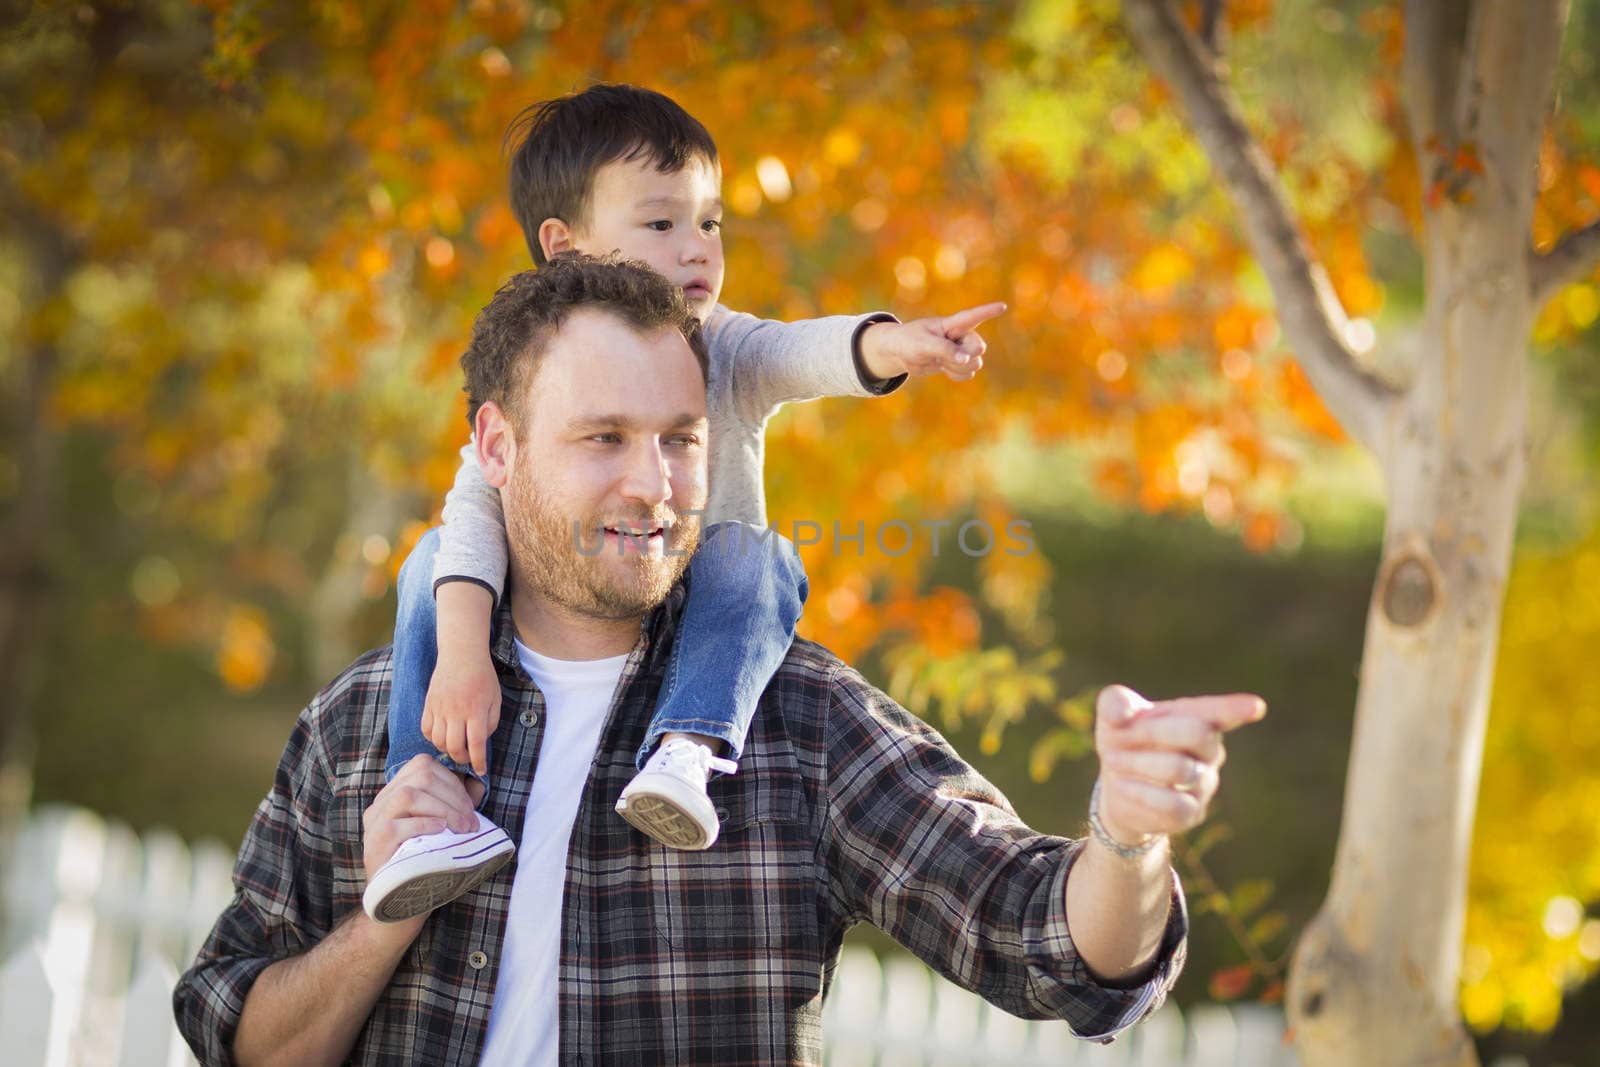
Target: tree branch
x=1506, y=87
x=1210, y=23
x=1573, y=257
x=1431, y=71
x=1313, y=319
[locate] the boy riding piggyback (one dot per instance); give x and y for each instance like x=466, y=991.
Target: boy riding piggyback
x=618, y=169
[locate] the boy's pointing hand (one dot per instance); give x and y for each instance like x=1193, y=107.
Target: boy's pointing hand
x=947, y=344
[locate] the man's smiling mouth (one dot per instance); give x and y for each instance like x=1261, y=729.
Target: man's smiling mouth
x=635, y=538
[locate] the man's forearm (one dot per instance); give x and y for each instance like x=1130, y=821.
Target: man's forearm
x=308, y=1009
x=1117, y=910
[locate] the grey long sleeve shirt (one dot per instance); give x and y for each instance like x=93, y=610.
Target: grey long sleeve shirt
x=756, y=366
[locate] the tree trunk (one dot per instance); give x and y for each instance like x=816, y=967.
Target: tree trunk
x=1375, y=976
x=341, y=597
x=24, y=570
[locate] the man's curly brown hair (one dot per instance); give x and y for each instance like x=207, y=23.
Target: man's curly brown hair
x=512, y=331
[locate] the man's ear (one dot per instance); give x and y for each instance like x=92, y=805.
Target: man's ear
x=555, y=237
x=496, y=444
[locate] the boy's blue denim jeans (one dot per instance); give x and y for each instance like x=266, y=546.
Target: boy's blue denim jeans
x=746, y=589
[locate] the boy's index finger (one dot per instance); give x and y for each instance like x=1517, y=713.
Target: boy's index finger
x=1224, y=712
x=961, y=323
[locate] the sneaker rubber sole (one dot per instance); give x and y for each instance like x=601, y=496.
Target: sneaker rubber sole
x=428, y=880
x=659, y=818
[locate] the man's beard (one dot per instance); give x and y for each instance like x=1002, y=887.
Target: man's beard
x=546, y=558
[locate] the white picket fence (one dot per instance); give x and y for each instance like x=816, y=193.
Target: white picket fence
x=898, y=1013
x=98, y=921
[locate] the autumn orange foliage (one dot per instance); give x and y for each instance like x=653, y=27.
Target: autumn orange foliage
x=341, y=162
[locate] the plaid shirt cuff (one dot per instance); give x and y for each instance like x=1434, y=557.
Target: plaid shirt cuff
x=211, y=1002
x=1115, y=1009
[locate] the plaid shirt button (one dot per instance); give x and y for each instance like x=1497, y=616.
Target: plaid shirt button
x=478, y=961
x=530, y=718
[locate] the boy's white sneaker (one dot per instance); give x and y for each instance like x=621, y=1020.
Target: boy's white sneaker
x=433, y=869
x=667, y=800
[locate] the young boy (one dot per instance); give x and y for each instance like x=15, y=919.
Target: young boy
x=621, y=169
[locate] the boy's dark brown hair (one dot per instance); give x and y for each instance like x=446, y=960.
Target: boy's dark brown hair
x=557, y=146
x=511, y=334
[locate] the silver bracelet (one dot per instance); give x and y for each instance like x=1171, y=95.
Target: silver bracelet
x=1098, y=828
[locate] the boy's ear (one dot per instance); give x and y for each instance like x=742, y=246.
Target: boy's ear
x=496, y=444
x=555, y=237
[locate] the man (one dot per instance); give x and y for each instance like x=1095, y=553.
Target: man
x=587, y=385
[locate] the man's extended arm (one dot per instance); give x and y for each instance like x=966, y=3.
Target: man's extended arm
x=922, y=846
x=1159, y=766
x=1117, y=910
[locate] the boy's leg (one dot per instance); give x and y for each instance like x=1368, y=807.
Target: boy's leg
x=416, y=652
x=746, y=589
x=432, y=869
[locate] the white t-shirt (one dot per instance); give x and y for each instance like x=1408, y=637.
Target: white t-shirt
x=524, y=1021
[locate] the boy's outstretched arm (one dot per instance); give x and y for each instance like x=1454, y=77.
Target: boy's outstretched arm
x=948, y=345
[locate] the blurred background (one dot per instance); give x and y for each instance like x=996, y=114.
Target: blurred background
x=243, y=243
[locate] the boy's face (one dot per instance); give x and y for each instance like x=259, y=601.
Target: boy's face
x=673, y=222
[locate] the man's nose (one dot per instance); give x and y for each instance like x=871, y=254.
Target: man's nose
x=647, y=478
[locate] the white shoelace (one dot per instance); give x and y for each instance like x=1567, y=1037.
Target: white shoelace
x=680, y=755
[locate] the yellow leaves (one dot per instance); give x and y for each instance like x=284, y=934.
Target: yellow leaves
x=1163, y=267
x=1359, y=292
x=743, y=194
x=842, y=147
x=952, y=115
x=446, y=210
x=1588, y=177
x=993, y=686
x=1581, y=303
x=1569, y=199
x=1573, y=309
x=496, y=227
x=1072, y=739
x=1236, y=327
x=1527, y=939
x=245, y=650
x=1300, y=397
x=373, y=259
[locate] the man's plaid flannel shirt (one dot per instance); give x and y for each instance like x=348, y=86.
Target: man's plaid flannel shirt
x=846, y=808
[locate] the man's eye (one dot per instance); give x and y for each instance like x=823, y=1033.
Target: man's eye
x=660, y=225
x=683, y=440
x=605, y=438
